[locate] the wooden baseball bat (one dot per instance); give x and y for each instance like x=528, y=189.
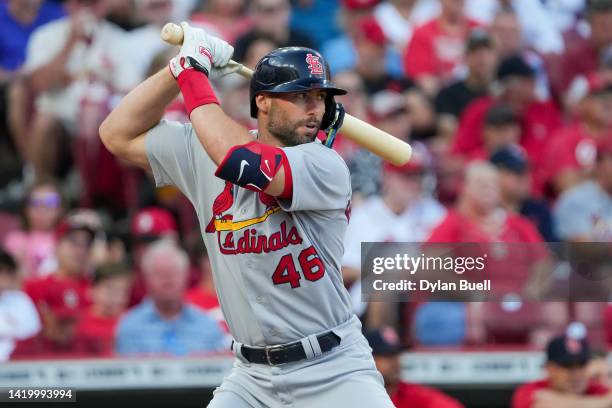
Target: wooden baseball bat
x=381, y=143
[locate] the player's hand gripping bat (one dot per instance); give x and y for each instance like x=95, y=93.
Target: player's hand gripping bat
x=375, y=140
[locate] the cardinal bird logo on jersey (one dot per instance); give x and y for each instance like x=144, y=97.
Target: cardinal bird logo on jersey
x=225, y=222
x=222, y=203
x=314, y=65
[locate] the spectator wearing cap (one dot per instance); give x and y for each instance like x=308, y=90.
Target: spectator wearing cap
x=584, y=212
x=515, y=83
x=479, y=217
x=570, y=156
x=480, y=60
x=437, y=47
x=584, y=56
x=164, y=323
x=369, y=42
x=63, y=296
x=110, y=293
x=404, y=212
x=386, y=350
x=18, y=317
x=34, y=245
x=342, y=52
x=270, y=17
x=515, y=189
x=567, y=383
x=150, y=224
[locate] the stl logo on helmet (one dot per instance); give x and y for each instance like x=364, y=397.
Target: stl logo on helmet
x=314, y=65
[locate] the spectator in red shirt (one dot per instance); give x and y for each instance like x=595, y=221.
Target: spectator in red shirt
x=570, y=156
x=386, y=349
x=584, y=56
x=61, y=297
x=110, y=294
x=149, y=225
x=437, y=47
x=567, y=383
x=516, y=89
x=517, y=256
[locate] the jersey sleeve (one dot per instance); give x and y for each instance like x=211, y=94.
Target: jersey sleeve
x=320, y=179
x=176, y=157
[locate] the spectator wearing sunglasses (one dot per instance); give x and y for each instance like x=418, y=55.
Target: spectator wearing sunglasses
x=33, y=246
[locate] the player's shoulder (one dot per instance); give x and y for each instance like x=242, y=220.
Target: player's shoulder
x=319, y=155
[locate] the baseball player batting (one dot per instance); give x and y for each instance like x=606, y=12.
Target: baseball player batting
x=273, y=207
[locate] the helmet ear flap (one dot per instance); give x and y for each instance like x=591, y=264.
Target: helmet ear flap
x=330, y=112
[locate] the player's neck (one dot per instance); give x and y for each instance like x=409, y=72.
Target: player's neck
x=264, y=136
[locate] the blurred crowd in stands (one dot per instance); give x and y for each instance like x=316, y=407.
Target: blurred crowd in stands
x=507, y=104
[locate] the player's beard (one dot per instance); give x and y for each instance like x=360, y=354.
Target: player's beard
x=288, y=132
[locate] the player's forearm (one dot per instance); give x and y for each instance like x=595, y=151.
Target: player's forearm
x=139, y=110
x=217, y=132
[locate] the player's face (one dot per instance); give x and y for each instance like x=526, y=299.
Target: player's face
x=295, y=118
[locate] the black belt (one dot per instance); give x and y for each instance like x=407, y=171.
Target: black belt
x=286, y=353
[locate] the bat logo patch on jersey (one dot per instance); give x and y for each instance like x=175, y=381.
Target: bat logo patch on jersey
x=314, y=65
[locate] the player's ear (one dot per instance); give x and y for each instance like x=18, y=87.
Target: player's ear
x=263, y=102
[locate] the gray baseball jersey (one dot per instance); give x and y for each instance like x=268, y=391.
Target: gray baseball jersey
x=276, y=263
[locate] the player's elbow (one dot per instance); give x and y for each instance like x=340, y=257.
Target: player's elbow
x=110, y=137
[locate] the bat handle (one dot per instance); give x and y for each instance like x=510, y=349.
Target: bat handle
x=173, y=34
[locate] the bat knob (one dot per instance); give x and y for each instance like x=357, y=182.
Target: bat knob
x=172, y=34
